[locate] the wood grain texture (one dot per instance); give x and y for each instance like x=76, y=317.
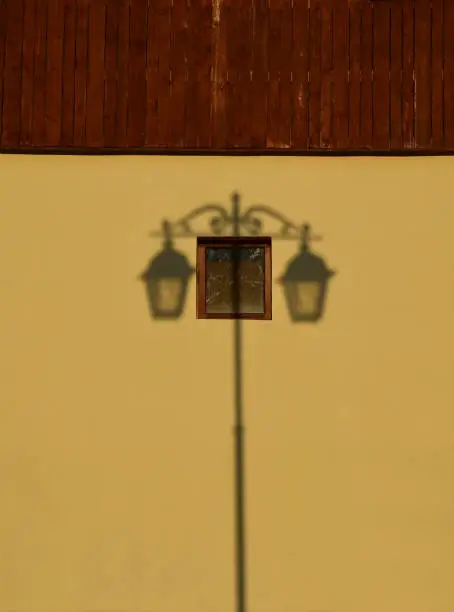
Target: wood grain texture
x=381, y=69
x=408, y=88
x=137, y=82
x=110, y=102
x=178, y=71
x=307, y=75
x=327, y=62
x=340, y=75
x=448, y=39
x=437, y=89
x=355, y=74
x=3, y=31
x=122, y=89
x=285, y=77
x=258, y=100
x=81, y=72
x=395, y=84
x=279, y=66
x=40, y=45
x=28, y=66
x=367, y=87
x=423, y=70
x=218, y=112
x=315, y=73
x=54, y=73
x=274, y=65
x=158, y=73
x=12, y=69
x=68, y=74
x=300, y=72
x=198, y=98
x=95, y=74
x=238, y=15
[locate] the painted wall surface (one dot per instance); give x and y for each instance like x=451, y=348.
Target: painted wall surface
x=116, y=462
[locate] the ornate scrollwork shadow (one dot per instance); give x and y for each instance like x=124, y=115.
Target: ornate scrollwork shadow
x=218, y=220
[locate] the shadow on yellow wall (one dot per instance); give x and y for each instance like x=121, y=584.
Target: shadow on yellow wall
x=116, y=431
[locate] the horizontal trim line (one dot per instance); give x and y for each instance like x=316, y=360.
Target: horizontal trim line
x=105, y=151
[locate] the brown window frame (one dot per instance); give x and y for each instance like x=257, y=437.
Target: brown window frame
x=229, y=241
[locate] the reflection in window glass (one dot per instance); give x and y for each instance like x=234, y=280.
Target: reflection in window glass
x=235, y=287
x=254, y=254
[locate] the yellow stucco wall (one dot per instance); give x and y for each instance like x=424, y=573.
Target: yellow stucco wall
x=115, y=431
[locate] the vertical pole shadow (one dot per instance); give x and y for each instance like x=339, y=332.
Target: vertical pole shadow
x=238, y=425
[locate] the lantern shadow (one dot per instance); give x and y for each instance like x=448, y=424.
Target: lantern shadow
x=166, y=281
x=167, y=276
x=304, y=283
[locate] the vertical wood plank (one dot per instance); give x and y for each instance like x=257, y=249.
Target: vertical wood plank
x=326, y=104
x=69, y=65
x=239, y=63
x=178, y=67
x=3, y=29
x=315, y=59
x=199, y=75
x=54, y=67
x=381, y=69
x=395, y=92
x=80, y=82
x=137, y=74
x=449, y=73
x=300, y=68
x=381, y=74
x=274, y=63
x=28, y=63
x=355, y=65
x=279, y=57
x=122, y=114
x=110, y=74
x=408, y=74
x=285, y=76
x=366, y=77
x=12, y=75
x=258, y=100
x=95, y=74
x=340, y=81
x=158, y=73
x=218, y=117
x=436, y=44
x=38, y=130
x=423, y=76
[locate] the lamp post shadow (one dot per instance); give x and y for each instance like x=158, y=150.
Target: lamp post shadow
x=304, y=282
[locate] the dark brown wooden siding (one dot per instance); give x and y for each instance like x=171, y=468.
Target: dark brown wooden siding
x=223, y=74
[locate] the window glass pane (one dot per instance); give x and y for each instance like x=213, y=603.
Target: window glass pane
x=235, y=280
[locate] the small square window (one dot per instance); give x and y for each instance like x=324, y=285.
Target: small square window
x=234, y=278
